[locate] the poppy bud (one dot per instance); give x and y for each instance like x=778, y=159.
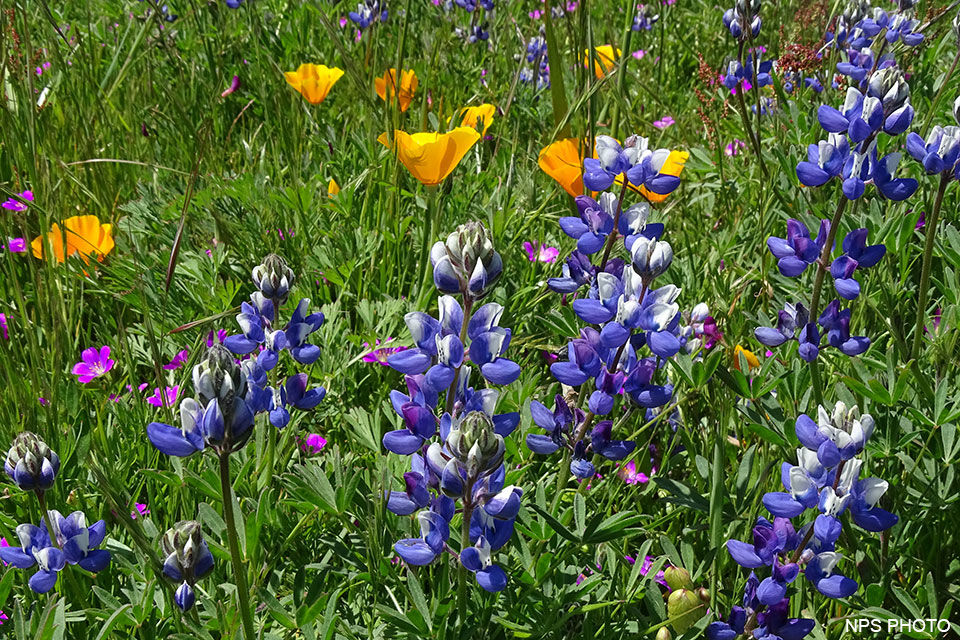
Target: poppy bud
x=31, y=463
x=274, y=278
x=664, y=634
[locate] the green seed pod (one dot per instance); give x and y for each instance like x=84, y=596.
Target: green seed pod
x=684, y=608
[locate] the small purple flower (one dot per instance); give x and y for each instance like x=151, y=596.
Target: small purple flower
x=537, y=252
x=178, y=361
x=165, y=398
x=380, y=354
x=93, y=364
x=13, y=204
x=664, y=122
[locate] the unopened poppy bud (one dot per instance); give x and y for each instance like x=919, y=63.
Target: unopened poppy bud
x=704, y=594
x=664, y=634
x=31, y=463
x=683, y=607
x=677, y=578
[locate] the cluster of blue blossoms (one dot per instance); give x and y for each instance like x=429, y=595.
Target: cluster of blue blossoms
x=827, y=479
x=794, y=254
x=539, y=69
x=230, y=394
x=465, y=464
x=628, y=313
x=476, y=31
x=59, y=540
x=369, y=12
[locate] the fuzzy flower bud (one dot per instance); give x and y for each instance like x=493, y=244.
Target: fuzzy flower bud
x=651, y=258
x=476, y=444
x=466, y=262
x=890, y=87
x=218, y=376
x=31, y=463
x=273, y=278
x=186, y=560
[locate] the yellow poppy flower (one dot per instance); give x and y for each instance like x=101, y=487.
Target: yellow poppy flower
x=430, y=157
x=561, y=161
x=605, y=60
x=313, y=81
x=84, y=235
x=672, y=166
x=408, y=86
x=752, y=361
x=332, y=188
x=480, y=118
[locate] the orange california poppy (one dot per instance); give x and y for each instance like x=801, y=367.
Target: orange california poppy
x=480, y=118
x=430, y=157
x=605, y=60
x=332, y=188
x=561, y=161
x=84, y=235
x=313, y=81
x=752, y=361
x=408, y=86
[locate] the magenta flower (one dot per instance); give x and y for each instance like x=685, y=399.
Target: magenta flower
x=178, y=361
x=4, y=543
x=664, y=122
x=234, y=85
x=537, y=252
x=734, y=147
x=15, y=205
x=221, y=335
x=314, y=443
x=3, y=326
x=380, y=355
x=93, y=364
x=16, y=245
x=645, y=568
x=141, y=510
x=639, y=53
x=166, y=398
x=630, y=475
x=343, y=22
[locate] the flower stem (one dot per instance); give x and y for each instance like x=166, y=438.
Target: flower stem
x=823, y=263
x=433, y=214
x=240, y=576
x=931, y=225
x=46, y=519
x=464, y=543
x=616, y=224
x=452, y=391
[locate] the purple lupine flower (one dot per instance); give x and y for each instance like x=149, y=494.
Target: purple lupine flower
x=797, y=251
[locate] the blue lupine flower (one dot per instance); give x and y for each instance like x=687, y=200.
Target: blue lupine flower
x=859, y=64
x=773, y=623
x=466, y=262
x=79, y=542
x=819, y=571
x=825, y=160
x=577, y=271
x=902, y=28
x=31, y=463
x=602, y=444
x=856, y=172
x=837, y=436
x=895, y=189
x=477, y=560
x=419, y=424
x=646, y=167
x=769, y=540
x=611, y=161
x=640, y=387
x=649, y=257
x=856, y=255
x=644, y=19
x=368, y=12
x=434, y=533
x=255, y=320
x=738, y=73
x=837, y=325
x=797, y=251
x=414, y=497
x=234, y=4
x=221, y=417
x=36, y=549
x=595, y=223
x=743, y=13
x=187, y=559
x=940, y=152
x=813, y=83
x=888, y=85
x=556, y=423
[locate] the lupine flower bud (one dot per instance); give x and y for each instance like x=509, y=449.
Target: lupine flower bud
x=218, y=376
x=889, y=86
x=186, y=559
x=274, y=278
x=467, y=262
x=476, y=443
x=651, y=258
x=683, y=607
x=31, y=463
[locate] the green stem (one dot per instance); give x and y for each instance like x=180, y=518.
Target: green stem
x=931, y=225
x=433, y=215
x=558, y=92
x=46, y=519
x=467, y=312
x=823, y=264
x=464, y=543
x=240, y=575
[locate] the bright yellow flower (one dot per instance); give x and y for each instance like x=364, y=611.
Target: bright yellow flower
x=84, y=235
x=752, y=361
x=430, y=157
x=332, y=188
x=313, y=81
x=605, y=59
x=480, y=118
x=408, y=86
x=672, y=166
x=562, y=162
